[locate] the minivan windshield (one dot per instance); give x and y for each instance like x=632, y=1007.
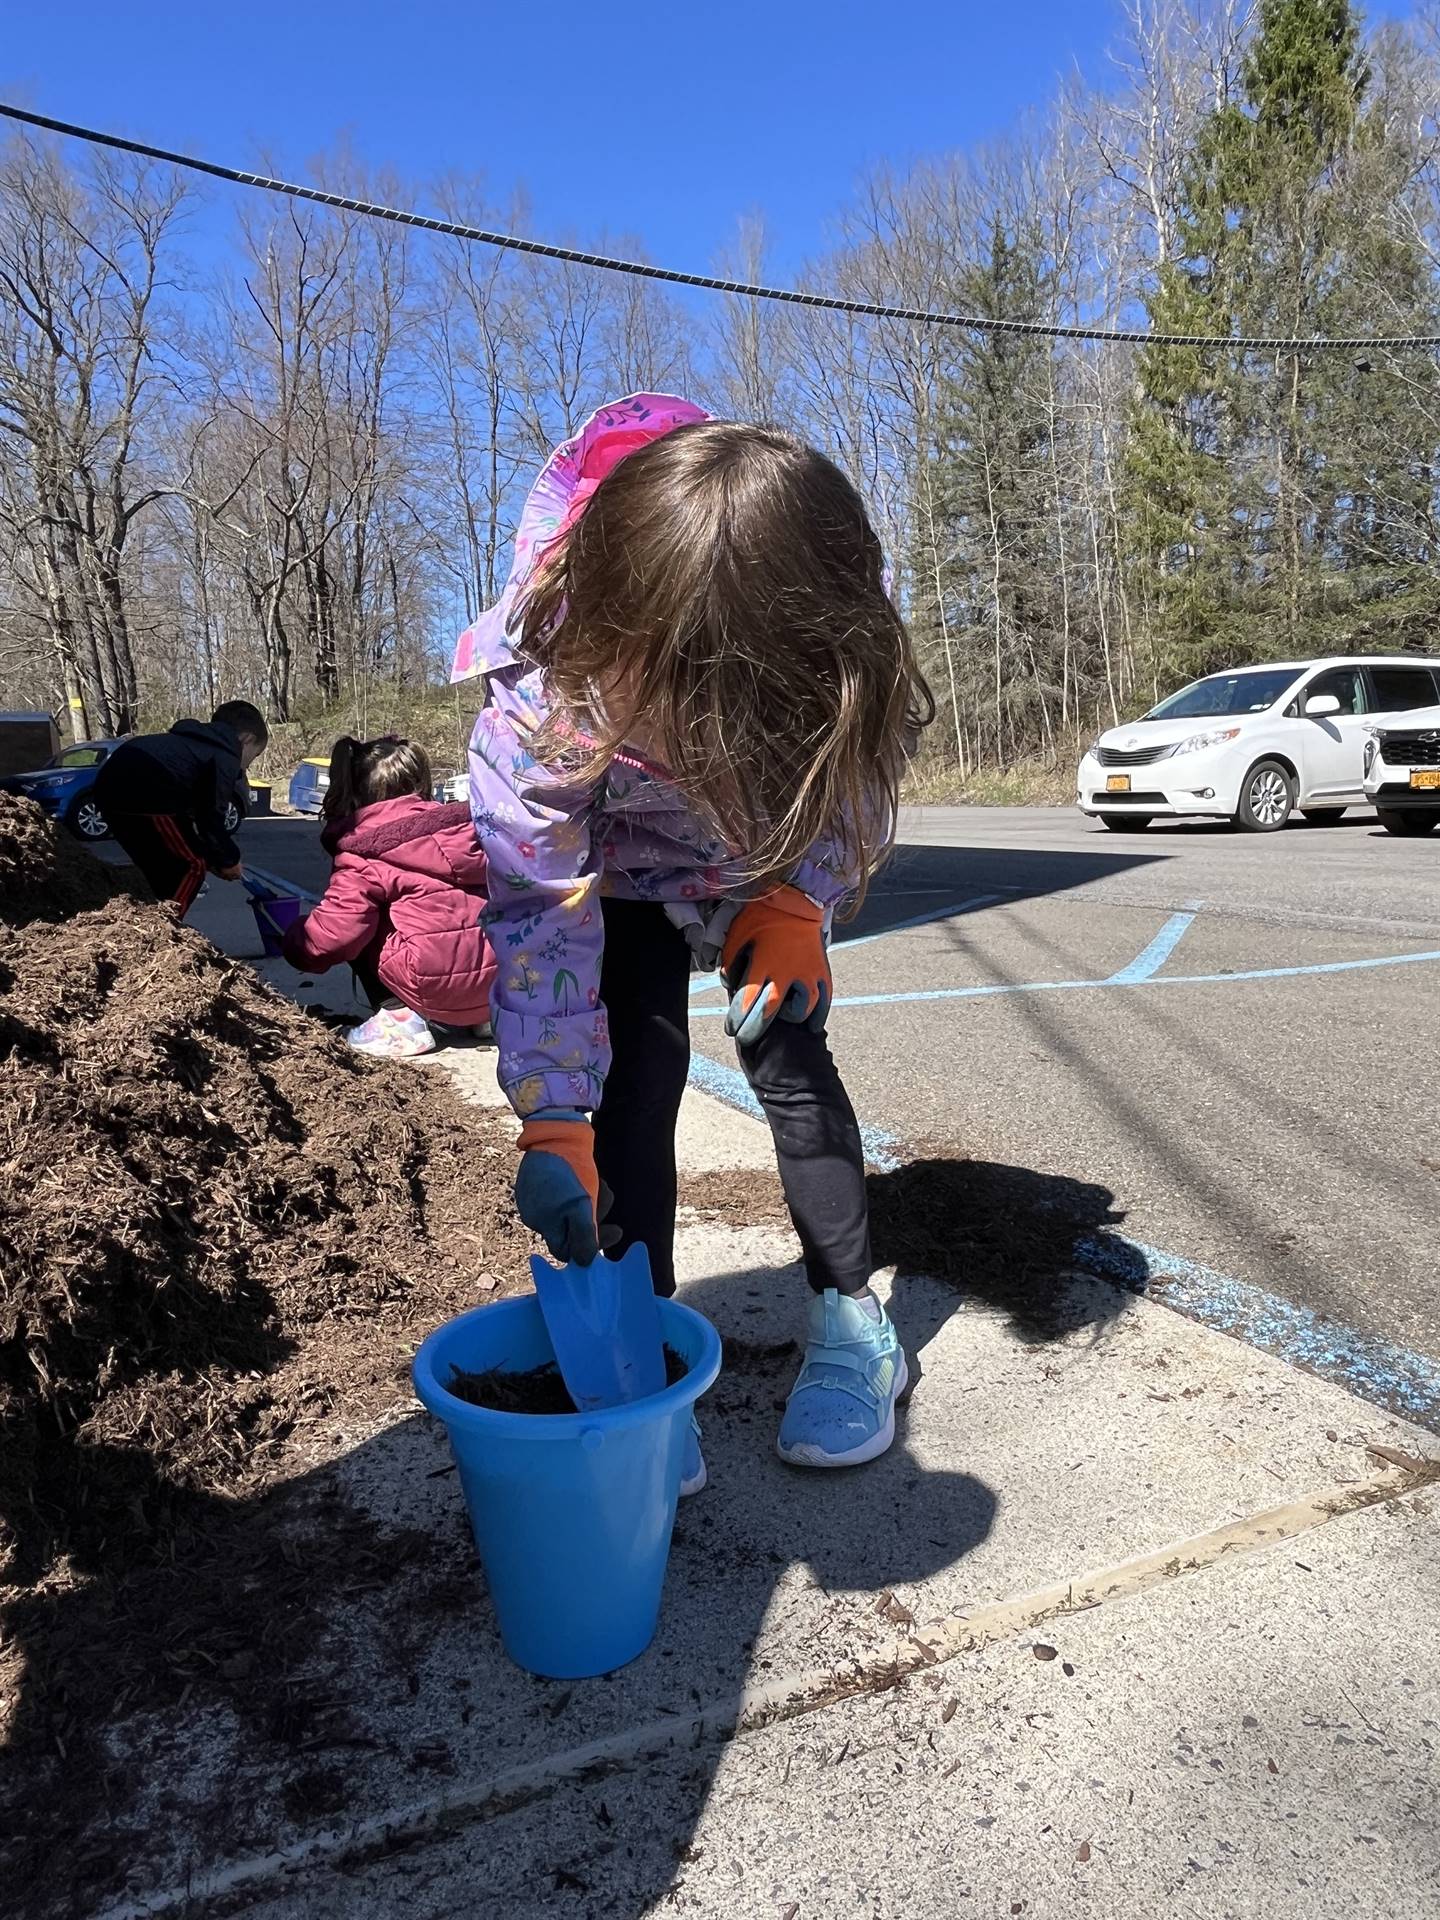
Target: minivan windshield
x=1249, y=691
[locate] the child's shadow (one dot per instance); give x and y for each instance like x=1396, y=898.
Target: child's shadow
x=366, y=1567
x=778, y=1575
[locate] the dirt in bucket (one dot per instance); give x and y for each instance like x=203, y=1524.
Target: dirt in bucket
x=221, y=1231
x=537, y=1390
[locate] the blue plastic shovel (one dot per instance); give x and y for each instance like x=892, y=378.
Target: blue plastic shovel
x=604, y=1326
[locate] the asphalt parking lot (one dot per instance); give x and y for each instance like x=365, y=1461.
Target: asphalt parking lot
x=1233, y=1037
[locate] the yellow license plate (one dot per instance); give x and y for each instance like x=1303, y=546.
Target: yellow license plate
x=1120, y=782
x=1425, y=777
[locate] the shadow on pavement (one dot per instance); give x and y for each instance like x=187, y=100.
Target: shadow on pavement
x=921, y=880
x=1004, y=1237
x=269, y=1667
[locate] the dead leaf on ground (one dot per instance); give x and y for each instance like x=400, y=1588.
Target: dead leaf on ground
x=789, y=1913
x=1082, y=1852
x=1271, y=1767
x=1394, y=1457
x=949, y=1714
x=1043, y=1652
x=895, y=1611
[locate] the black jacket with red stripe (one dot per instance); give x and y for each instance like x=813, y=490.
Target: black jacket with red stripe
x=191, y=772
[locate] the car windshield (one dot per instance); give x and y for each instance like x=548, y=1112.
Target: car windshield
x=1250, y=691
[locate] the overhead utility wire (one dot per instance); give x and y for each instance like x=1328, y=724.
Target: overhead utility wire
x=672, y=276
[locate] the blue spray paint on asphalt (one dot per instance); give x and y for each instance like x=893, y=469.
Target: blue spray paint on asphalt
x=731, y=1086
x=707, y=982
x=1117, y=981
x=1376, y=1370
x=952, y=912
x=1156, y=954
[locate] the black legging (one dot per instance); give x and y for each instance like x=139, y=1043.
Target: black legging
x=645, y=985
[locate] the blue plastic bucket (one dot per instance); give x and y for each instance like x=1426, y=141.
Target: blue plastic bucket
x=572, y=1513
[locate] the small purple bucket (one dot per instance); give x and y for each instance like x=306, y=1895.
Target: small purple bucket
x=274, y=919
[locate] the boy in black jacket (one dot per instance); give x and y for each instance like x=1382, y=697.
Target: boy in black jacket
x=164, y=797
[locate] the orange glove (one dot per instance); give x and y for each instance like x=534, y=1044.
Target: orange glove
x=775, y=965
x=557, y=1190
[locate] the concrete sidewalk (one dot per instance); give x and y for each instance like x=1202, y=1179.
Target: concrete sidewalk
x=1136, y=1618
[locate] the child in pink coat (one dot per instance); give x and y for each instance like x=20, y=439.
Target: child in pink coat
x=404, y=901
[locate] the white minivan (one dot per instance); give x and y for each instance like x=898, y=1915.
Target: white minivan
x=1253, y=744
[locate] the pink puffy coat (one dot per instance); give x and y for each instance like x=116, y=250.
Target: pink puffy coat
x=406, y=896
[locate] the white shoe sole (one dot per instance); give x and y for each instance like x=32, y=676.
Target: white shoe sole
x=377, y=1050
x=808, y=1456
x=697, y=1485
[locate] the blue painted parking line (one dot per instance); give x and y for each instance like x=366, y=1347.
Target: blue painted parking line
x=952, y=912
x=730, y=1085
x=1378, y=1371
x=1095, y=986
x=707, y=982
x=1145, y=964
x=1374, y=1369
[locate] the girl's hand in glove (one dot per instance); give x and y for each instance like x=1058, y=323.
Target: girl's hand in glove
x=557, y=1190
x=775, y=965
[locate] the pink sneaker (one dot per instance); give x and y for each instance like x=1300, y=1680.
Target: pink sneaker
x=393, y=1035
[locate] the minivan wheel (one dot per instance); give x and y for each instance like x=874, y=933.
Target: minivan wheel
x=1127, y=822
x=1267, y=798
x=1410, y=826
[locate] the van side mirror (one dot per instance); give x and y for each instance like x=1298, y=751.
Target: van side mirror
x=1321, y=703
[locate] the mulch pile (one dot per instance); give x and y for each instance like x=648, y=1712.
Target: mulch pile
x=218, y=1227
x=211, y=1210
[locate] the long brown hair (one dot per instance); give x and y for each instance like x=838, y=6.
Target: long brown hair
x=724, y=593
x=364, y=771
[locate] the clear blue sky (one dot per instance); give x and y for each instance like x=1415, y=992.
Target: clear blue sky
x=663, y=121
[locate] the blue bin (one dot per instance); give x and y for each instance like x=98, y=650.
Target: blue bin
x=572, y=1512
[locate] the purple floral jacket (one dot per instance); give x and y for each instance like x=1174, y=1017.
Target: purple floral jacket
x=553, y=850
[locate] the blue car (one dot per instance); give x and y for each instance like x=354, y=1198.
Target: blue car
x=63, y=789
x=309, y=784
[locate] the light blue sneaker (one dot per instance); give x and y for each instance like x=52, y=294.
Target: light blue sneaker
x=841, y=1410
x=692, y=1474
